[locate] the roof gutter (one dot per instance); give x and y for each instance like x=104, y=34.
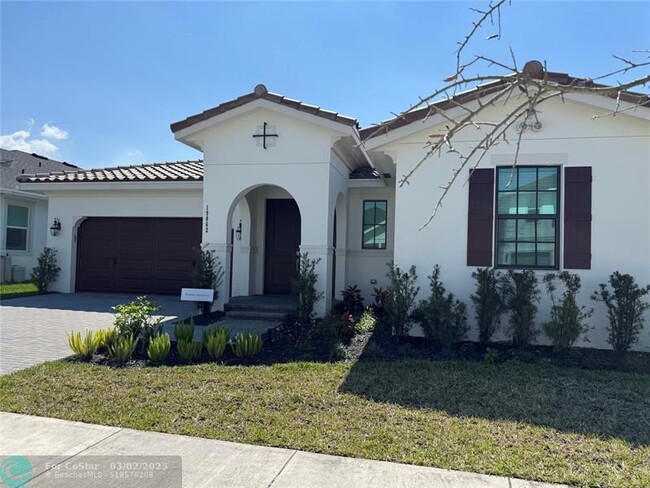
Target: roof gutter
x=22, y=194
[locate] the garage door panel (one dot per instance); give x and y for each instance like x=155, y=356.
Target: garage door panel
x=137, y=255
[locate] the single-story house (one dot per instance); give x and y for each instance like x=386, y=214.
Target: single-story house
x=279, y=176
x=23, y=214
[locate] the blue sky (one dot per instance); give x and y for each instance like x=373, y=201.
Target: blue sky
x=98, y=83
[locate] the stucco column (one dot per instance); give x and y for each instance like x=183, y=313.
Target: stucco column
x=323, y=269
x=339, y=285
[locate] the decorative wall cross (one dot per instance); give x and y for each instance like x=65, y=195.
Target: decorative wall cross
x=264, y=135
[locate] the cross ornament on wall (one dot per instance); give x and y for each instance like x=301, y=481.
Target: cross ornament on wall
x=264, y=135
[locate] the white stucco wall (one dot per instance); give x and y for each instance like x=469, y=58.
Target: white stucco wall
x=617, y=149
x=71, y=207
x=38, y=229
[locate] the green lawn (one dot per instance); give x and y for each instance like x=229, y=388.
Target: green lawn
x=14, y=290
x=538, y=422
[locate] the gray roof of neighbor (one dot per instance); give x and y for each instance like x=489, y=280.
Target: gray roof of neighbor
x=175, y=171
x=14, y=163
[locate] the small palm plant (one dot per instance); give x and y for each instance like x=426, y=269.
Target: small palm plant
x=84, y=346
x=246, y=345
x=159, y=347
x=215, y=340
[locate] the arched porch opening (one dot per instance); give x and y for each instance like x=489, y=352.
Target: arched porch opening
x=264, y=224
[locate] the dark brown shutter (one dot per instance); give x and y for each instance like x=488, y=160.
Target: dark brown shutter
x=577, y=217
x=480, y=217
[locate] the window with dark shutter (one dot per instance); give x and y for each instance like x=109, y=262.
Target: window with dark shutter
x=577, y=218
x=480, y=217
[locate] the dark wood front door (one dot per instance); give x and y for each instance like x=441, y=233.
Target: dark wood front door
x=282, y=245
x=136, y=255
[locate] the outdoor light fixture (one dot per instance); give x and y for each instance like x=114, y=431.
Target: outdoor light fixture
x=55, y=228
x=238, y=232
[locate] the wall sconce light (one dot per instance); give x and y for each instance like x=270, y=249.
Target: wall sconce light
x=238, y=232
x=55, y=228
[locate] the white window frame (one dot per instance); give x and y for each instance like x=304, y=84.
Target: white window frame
x=27, y=229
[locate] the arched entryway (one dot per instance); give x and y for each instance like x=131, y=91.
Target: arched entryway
x=265, y=226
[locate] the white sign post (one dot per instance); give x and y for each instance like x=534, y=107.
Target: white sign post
x=197, y=295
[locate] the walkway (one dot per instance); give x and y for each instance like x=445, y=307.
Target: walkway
x=205, y=463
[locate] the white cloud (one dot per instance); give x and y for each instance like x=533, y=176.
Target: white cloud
x=53, y=132
x=21, y=141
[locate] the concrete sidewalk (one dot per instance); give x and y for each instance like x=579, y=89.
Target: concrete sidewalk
x=211, y=463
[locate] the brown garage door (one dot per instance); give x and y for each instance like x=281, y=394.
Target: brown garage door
x=136, y=255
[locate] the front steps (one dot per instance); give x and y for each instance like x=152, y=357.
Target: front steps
x=261, y=307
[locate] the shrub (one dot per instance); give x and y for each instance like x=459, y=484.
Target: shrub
x=246, y=345
x=305, y=288
x=521, y=295
x=567, y=318
x=443, y=317
x=380, y=295
x=84, y=346
x=184, y=331
x=46, y=271
x=159, y=348
x=215, y=340
x=337, y=351
x=366, y=322
x=105, y=338
x=352, y=300
x=123, y=347
x=488, y=302
x=625, y=309
x=188, y=351
x=400, y=298
x=137, y=319
x=208, y=275
x=491, y=356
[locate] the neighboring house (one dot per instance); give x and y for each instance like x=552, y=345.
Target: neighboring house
x=280, y=176
x=23, y=214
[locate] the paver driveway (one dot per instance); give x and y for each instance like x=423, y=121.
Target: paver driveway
x=34, y=329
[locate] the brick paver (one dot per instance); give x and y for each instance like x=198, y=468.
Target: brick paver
x=34, y=329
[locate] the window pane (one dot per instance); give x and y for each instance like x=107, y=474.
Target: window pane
x=368, y=235
x=526, y=254
x=16, y=239
x=368, y=212
x=546, y=230
x=547, y=202
x=527, y=203
x=506, y=254
x=380, y=237
x=545, y=254
x=526, y=230
x=547, y=179
x=380, y=213
x=507, y=229
x=17, y=216
x=504, y=176
x=507, y=203
x=527, y=179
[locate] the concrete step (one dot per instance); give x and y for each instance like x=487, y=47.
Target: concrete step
x=256, y=315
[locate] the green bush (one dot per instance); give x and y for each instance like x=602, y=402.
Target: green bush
x=46, y=271
x=208, y=275
x=488, y=302
x=337, y=351
x=400, y=298
x=184, y=331
x=352, y=300
x=105, y=338
x=84, y=346
x=305, y=288
x=443, y=317
x=159, y=347
x=521, y=296
x=246, y=345
x=123, y=347
x=567, y=322
x=491, y=356
x=625, y=309
x=366, y=322
x=215, y=340
x=188, y=350
x=137, y=319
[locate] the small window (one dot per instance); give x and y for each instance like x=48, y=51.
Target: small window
x=527, y=217
x=17, y=225
x=375, y=215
